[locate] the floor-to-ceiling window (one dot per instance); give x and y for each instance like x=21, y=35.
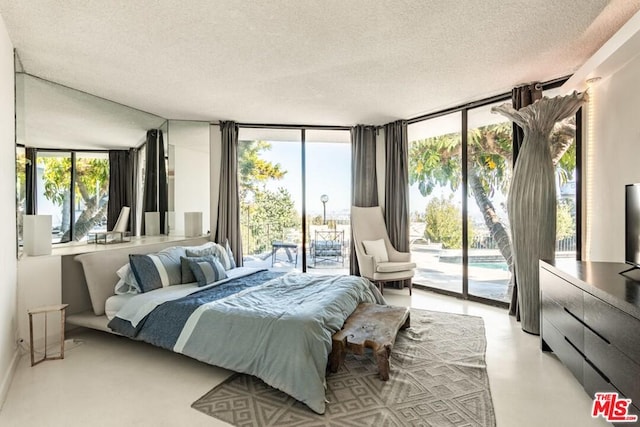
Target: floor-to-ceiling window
x=295, y=198
x=437, y=151
x=565, y=159
x=489, y=160
x=328, y=200
x=270, y=181
x=435, y=204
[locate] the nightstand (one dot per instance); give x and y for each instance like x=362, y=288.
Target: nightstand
x=60, y=308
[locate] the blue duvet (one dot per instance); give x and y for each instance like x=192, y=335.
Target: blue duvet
x=276, y=327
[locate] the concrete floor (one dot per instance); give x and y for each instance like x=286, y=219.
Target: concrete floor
x=106, y=380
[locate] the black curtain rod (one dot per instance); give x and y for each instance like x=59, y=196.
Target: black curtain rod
x=551, y=84
x=282, y=126
x=63, y=150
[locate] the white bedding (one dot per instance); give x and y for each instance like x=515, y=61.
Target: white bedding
x=115, y=303
x=137, y=309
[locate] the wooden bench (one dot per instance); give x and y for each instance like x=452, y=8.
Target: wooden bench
x=371, y=326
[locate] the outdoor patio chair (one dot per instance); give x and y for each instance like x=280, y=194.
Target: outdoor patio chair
x=328, y=246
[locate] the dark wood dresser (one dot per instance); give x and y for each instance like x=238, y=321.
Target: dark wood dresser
x=590, y=318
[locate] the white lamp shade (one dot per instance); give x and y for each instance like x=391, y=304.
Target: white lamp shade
x=192, y=224
x=36, y=235
x=152, y=223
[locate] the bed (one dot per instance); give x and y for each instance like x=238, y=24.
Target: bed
x=274, y=325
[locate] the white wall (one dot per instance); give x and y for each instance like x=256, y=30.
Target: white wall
x=8, y=264
x=614, y=122
x=189, y=142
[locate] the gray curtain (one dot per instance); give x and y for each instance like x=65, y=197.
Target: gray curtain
x=229, y=203
x=156, y=192
x=521, y=96
x=364, y=181
x=31, y=179
x=531, y=203
x=122, y=186
x=396, y=189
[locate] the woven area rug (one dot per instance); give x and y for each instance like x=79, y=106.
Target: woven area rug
x=438, y=378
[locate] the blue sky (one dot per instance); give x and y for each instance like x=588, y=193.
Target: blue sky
x=328, y=172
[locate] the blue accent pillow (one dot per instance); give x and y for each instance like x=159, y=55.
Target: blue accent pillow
x=185, y=267
x=216, y=250
x=154, y=271
x=206, y=269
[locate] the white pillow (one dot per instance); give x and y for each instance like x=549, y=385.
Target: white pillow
x=123, y=288
x=377, y=249
x=127, y=278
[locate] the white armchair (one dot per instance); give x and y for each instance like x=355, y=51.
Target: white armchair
x=378, y=260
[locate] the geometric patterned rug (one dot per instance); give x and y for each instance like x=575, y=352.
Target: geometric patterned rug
x=438, y=378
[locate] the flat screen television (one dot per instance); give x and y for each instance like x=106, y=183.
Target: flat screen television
x=632, y=226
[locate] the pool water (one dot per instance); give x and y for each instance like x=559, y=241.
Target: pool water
x=493, y=265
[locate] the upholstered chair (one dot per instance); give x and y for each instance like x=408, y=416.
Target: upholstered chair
x=378, y=260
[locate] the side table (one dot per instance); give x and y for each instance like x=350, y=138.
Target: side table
x=44, y=310
x=275, y=246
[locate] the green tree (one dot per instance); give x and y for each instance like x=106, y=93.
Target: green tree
x=266, y=215
x=92, y=181
x=565, y=225
x=253, y=170
x=443, y=223
x=272, y=214
x=436, y=162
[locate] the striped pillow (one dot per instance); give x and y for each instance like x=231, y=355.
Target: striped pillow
x=217, y=251
x=206, y=269
x=185, y=267
x=159, y=270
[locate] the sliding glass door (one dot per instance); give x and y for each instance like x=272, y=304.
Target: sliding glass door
x=444, y=197
x=490, y=159
x=270, y=171
x=328, y=200
x=295, y=198
x=435, y=178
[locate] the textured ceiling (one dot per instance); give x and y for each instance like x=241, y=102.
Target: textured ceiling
x=300, y=61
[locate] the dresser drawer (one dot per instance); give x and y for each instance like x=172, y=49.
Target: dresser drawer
x=564, y=322
x=562, y=292
x=621, y=371
x=567, y=354
x=620, y=329
x=593, y=382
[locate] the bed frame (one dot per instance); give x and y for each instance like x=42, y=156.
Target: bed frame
x=88, y=280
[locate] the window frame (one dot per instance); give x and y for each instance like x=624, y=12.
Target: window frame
x=73, y=154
